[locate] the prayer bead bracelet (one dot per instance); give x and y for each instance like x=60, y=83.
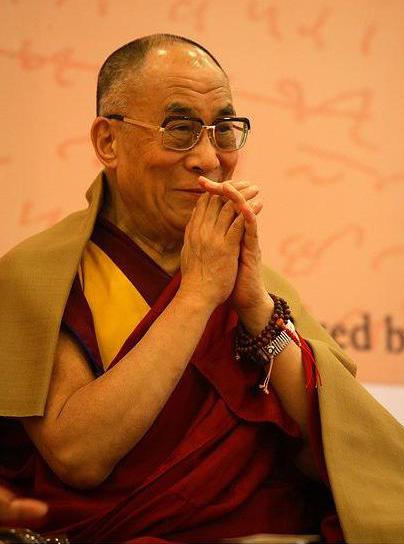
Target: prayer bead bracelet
x=272, y=340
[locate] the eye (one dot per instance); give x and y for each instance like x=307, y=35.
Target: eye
x=180, y=126
x=224, y=127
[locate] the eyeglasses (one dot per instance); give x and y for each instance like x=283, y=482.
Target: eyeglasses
x=181, y=133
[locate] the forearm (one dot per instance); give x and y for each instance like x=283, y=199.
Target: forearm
x=102, y=421
x=287, y=375
x=288, y=380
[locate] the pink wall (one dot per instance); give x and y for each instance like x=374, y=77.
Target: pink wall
x=323, y=85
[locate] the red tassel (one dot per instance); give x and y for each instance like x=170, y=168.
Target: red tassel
x=310, y=367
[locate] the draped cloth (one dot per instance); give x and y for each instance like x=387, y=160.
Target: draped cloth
x=363, y=444
x=218, y=460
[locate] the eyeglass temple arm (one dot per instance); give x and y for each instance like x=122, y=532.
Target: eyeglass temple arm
x=132, y=121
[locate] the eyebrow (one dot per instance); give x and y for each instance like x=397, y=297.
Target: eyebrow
x=226, y=111
x=176, y=107
x=181, y=109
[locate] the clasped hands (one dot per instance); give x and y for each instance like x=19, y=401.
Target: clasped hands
x=221, y=255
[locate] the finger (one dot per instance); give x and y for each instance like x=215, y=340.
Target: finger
x=225, y=217
x=214, y=187
x=200, y=210
x=6, y=496
x=245, y=189
x=240, y=184
x=256, y=206
x=251, y=226
x=213, y=209
x=227, y=191
x=236, y=230
x=230, y=193
x=248, y=215
x=209, y=184
x=26, y=509
x=249, y=192
x=250, y=239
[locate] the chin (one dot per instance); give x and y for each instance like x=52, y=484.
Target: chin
x=181, y=220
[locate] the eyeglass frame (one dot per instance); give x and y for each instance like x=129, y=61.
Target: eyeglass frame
x=210, y=128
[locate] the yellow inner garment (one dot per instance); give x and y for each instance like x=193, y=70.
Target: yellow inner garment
x=116, y=305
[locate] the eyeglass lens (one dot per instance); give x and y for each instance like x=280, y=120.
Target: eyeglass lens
x=182, y=134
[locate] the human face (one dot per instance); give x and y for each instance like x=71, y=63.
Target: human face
x=159, y=187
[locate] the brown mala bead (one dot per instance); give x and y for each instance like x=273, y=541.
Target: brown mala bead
x=250, y=347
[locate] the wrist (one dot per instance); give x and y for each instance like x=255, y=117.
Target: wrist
x=255, y=318
x=195, y=301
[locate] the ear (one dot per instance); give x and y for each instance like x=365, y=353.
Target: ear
x=104, y=141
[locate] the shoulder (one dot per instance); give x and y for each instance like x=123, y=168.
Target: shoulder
x=45, y=242
x=60, y=243
x=35, y=281
x=279, y=285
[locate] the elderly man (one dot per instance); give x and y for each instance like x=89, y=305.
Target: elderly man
x=139, y=417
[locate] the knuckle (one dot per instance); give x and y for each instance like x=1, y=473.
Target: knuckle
x=227, y=185
x=228, y=205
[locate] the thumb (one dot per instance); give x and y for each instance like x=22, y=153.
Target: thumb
x=250, y=240
x=236, y=230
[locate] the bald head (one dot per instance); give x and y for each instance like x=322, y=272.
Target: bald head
x=121, y=73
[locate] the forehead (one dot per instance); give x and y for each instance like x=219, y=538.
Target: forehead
x=183, y=79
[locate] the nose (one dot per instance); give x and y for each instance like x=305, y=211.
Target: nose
x=204, y=157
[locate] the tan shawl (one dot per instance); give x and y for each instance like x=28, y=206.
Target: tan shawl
x=363, y=443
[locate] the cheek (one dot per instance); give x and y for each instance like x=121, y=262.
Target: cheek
x=146, y=166
x=229, y=163
x=156, y=163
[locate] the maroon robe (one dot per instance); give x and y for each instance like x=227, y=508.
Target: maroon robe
x=217, y=461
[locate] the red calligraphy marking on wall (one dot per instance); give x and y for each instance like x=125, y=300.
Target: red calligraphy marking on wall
x=353, y=106
x=315, y=30
x=301, y=255
x=185, y=10
x=307, y=171
x=368, y=39
x=388, y=254
x=29, y=217
x=64, y=148
x=380, y=180
x=256, y=12
x=62, y=61
x=102, y=5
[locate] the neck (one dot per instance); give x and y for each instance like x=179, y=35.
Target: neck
x=165, y=250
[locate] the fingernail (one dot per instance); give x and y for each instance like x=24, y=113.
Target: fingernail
x=205, y=179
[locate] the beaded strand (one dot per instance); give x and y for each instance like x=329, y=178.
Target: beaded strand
x=263, y=348
x=250, y=347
